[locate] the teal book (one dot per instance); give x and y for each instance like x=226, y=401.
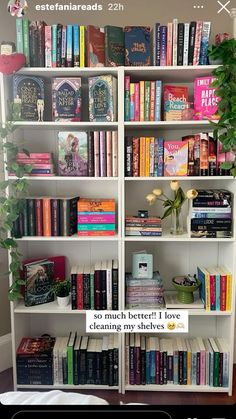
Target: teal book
x=103, y=98
x=96, y=227
x=114, y=46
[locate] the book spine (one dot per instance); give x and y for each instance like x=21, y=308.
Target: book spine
x=197, y=44
x=76, y=45
x=55, y=215
x=152, y=100
x=25, y=217
x=109, y=153
x=147, y=157
x=128, y=157
x=127, y=98
x=169, y=44
x=91, y=154
x=163, y=36
x=135, y=157
x=142, y=99
x=158, y=100
x=73, y=291
x=96, y=154
x=132, y=105
x=115, y=289
x=19, y=36
x=80, y=293
x=192, y=32
x=59, y=43
x=41, y=50
x=180, y=45
x=114, y=153
x=26, y=41
x=69, y=46
x=39, y=217
x=54, y=46
x=63, y=46
x=82, y=46
x=92, y=291
x=158, y=44
x=136, y=102
x=206, y=29
x=47, y=229
x=160, y=157
x=48, y=46
x=175, y=41
x=31, y=215
x=186, y=43
x=147, y=101
x=102, y=154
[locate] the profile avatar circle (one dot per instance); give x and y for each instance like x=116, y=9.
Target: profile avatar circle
x=17, y=8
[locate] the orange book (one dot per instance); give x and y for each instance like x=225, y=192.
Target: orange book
x=96, y=233
x=147, y=157
x=47, y=225
x=96, y=205
x=142, y=159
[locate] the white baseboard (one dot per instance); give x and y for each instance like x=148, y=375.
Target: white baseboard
x=5, y=352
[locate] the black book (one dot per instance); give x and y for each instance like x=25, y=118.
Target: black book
x=91, y=154
x=83, y=360
x=98, y=362
x=115, y=285
x=91, y=361
x=86, y=288
x=143, y=360
x=59, y=44
x=55, y=214
x=180, y=44
x=192, y=35
x=68, y=216
x=103, y=274
x=31, y=216
x=76, y=358
x=74, y=288
x=105, y=360
x=128, y=156
x=116, y=361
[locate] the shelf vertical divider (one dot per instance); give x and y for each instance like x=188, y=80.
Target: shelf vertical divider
x=121, y=214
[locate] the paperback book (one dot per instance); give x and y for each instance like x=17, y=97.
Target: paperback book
x=205, y=99
x=73, y=153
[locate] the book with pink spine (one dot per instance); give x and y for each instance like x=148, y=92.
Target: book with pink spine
x=205, y=99
x=175, y=158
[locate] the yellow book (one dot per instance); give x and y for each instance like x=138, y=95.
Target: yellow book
x=82, y=46
x=147, y=155
x=142, y=99
x=189, y=363
x=142, y=155
x=228, y=287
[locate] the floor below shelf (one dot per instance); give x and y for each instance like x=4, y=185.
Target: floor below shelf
x=151, y=397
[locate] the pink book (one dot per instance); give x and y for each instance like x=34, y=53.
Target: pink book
x=109, y=153
x=175, y=158
x=169, y=43
x=114, y=153
x=197, y=44
x=96, y=154
x=59, y=269
x=34, y=156
x=127, y=83
x=103, y=171
x=96, y=219
x=48, y=47
x=205, y=100
x=152, y=100
x=212, y=292
x=136, y=102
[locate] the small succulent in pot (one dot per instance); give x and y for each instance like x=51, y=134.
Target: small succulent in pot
x=61, y=288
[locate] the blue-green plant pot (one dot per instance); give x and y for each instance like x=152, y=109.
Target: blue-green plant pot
x=185, y=292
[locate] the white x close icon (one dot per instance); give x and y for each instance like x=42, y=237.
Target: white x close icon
x=223, y=7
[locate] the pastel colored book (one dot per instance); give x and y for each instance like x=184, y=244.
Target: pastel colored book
x=137, y=46
x=96, y=219
x=103, y=98
x=175, y=158
x=66, y=99
x=175, y=101
x=73, y=153
x=28, y=98
x=205, y=99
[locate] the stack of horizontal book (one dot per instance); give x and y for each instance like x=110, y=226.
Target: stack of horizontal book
x=37, y=164
x=211, y=214
x=139, y=226
x=96, y=217
x=144, y=293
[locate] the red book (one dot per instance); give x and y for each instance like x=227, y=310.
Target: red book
x=95, y=46
x=59, y=265
x=47, y=224
x=80, y=302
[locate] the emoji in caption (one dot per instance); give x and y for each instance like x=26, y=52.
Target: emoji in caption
x=171, y=325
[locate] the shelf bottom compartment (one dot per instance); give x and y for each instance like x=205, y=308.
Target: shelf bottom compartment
x=176, y=388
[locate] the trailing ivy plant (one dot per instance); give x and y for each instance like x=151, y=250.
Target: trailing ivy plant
x=225, y=84
x=12, y=202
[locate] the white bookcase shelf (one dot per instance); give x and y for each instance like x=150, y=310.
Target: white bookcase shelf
x=172, y=255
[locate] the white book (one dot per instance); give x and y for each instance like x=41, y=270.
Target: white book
x=186, y=43
x=175, y=41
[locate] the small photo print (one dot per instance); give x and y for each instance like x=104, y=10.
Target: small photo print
x=143, y=268
x=17, y=8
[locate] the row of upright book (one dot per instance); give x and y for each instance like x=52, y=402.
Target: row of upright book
x=73, y=359
x=49, y=216
x=95, y=287
x=196, y=155
x=32, y=99
x=193, y=361
x=61, y=45
x=212, y=214
x=150, y=100
x=216, y=288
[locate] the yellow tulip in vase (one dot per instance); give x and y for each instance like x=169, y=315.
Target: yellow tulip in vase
x=173, y=206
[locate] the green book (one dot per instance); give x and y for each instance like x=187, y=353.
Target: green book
x=114, y=46
x=70, y=357
x=19, y=36
x=26, y=41
x=147, y=101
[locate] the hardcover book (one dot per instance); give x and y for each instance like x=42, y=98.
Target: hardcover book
x=205, y=100
x=38, y=282
x=66, y=99
x=137, y=46
x=102, y=98
x=95, y=46
x=175, y=101
x=28, y=98
x=114, y=46
x=175, y=158
x=73, y=153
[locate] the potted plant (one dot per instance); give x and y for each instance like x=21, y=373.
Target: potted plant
x=61, y=290
x=225, y=85
x=219, y=38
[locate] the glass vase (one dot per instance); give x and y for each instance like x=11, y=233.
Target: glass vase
x=177, y=227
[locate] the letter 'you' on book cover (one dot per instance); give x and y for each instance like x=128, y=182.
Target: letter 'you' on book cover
x=137, y=46
x=66, y=99
x=205, y=99
x=38, y=282
x=175, y=158
x=103, y=98
x=73, y=153
x=28, y=98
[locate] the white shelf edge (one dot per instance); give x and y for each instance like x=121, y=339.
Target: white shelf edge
x=176, y=388
x=180, y=178
x=67, y=70
x=167, y=123
x=69, y=387
x=66, y=178
x=56, y=124
x=68, y=238
x=170, y=68
x=175, y=239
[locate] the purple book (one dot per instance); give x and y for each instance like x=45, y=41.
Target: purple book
x=103, y=166
x=73, y=153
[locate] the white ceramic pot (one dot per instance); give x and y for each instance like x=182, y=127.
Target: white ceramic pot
x=63, y=301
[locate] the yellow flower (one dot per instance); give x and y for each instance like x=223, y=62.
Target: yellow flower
x=157, y=192
x=151, y=198
x=191, y=194
x=174, y=185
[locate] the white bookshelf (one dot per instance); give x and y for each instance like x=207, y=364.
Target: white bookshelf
x=172, y=255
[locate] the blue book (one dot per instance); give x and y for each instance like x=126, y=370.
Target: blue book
x=160, y=157
x=69, y=46
x=158, y=100
x=137, y=46
x=76, y=44
x=54, y=45
x=206, y=29
x=201, y=277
